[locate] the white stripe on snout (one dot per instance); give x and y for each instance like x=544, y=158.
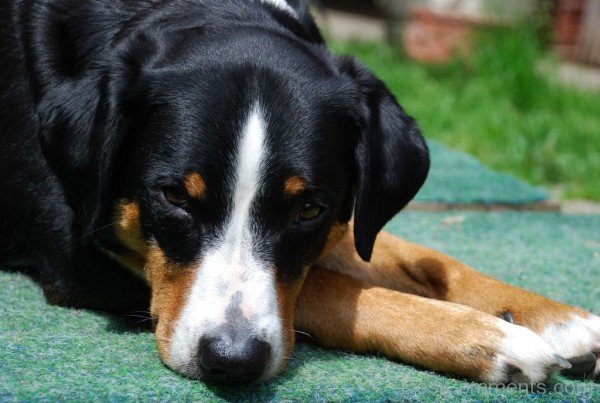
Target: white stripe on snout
x=231, y=268
x=247, y=176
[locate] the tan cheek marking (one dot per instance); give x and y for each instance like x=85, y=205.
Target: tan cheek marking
x=195, y=185
x=128, y=227
x=287, y=294
x=336, y=233
x=293, y=186
x=170, y=283
x=132, y=261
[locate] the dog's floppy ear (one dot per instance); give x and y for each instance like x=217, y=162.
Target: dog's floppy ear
x=83, y=122
x=81, y=131
x=392, y=158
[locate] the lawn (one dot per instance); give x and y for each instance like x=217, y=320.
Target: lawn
x=498, y=108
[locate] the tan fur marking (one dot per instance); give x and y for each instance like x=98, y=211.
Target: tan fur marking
x=287, y=294
x=293, y=186
x=170, y=285
x=128, y=226
x=403, y=266
x=127, y=229
x=336, y=233
x=342, y=312
x=132, y=261
x=195, y=185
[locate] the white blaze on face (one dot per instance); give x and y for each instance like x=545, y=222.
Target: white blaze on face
x=231, y=267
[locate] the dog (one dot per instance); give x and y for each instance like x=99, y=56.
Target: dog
x=215, y=162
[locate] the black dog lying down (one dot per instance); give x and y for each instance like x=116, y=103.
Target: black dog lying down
x=201, y=156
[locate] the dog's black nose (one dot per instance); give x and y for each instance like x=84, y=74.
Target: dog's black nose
x=228, y=360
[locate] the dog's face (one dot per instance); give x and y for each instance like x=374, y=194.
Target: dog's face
x=249, y=180
x=231, y=177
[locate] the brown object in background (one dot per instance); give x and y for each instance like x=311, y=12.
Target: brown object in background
x=567, y=25
x=432, y=37
x=589, y=37
x=568, y=21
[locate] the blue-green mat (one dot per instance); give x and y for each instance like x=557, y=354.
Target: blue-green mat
x=58, y=354
x=459, y=178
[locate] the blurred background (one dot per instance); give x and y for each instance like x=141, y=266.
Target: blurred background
x=515, y=83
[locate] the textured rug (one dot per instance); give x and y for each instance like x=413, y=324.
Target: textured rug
x=51, y=353
x=459, y=178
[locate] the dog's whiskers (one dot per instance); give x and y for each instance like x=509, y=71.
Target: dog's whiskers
x=96, y=230
x=138, y=316
x=304, y=333
x=144, y=313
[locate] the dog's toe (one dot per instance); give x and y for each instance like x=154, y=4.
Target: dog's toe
x=525, y=358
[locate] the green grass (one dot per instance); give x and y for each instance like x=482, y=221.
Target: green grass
x=496, y=107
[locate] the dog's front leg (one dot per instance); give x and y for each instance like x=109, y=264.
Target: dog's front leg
x=407, y=267
x=342, y=312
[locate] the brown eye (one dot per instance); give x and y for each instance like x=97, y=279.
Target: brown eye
x=309, y=211
x=175, y=196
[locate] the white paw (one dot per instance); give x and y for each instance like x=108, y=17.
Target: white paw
x=577, y=339
x=524, y=357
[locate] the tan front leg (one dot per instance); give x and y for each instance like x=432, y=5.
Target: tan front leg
x=407, y=267
x=342, y=312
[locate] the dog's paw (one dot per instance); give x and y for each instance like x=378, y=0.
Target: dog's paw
x=578, y=340
x=524, y=358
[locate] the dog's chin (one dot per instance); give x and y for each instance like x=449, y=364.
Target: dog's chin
x=194, y=372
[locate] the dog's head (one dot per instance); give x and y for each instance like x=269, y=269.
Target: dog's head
x=233, y=170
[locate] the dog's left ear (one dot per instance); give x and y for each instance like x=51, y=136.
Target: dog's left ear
x=80, y=140
x=84, y=124
x=392, y=158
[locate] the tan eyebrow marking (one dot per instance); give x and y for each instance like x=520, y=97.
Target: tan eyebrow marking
x=294, y=185
x=195, y=185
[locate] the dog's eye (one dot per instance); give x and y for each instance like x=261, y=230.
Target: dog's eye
x=310, y=211
x=175, y=196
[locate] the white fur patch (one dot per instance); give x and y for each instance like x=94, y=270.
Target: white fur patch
x=525, y=351
x=282, y=5
x=575, y=337
x=231, y=269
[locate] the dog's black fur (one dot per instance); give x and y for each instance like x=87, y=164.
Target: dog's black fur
x=102, y=100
